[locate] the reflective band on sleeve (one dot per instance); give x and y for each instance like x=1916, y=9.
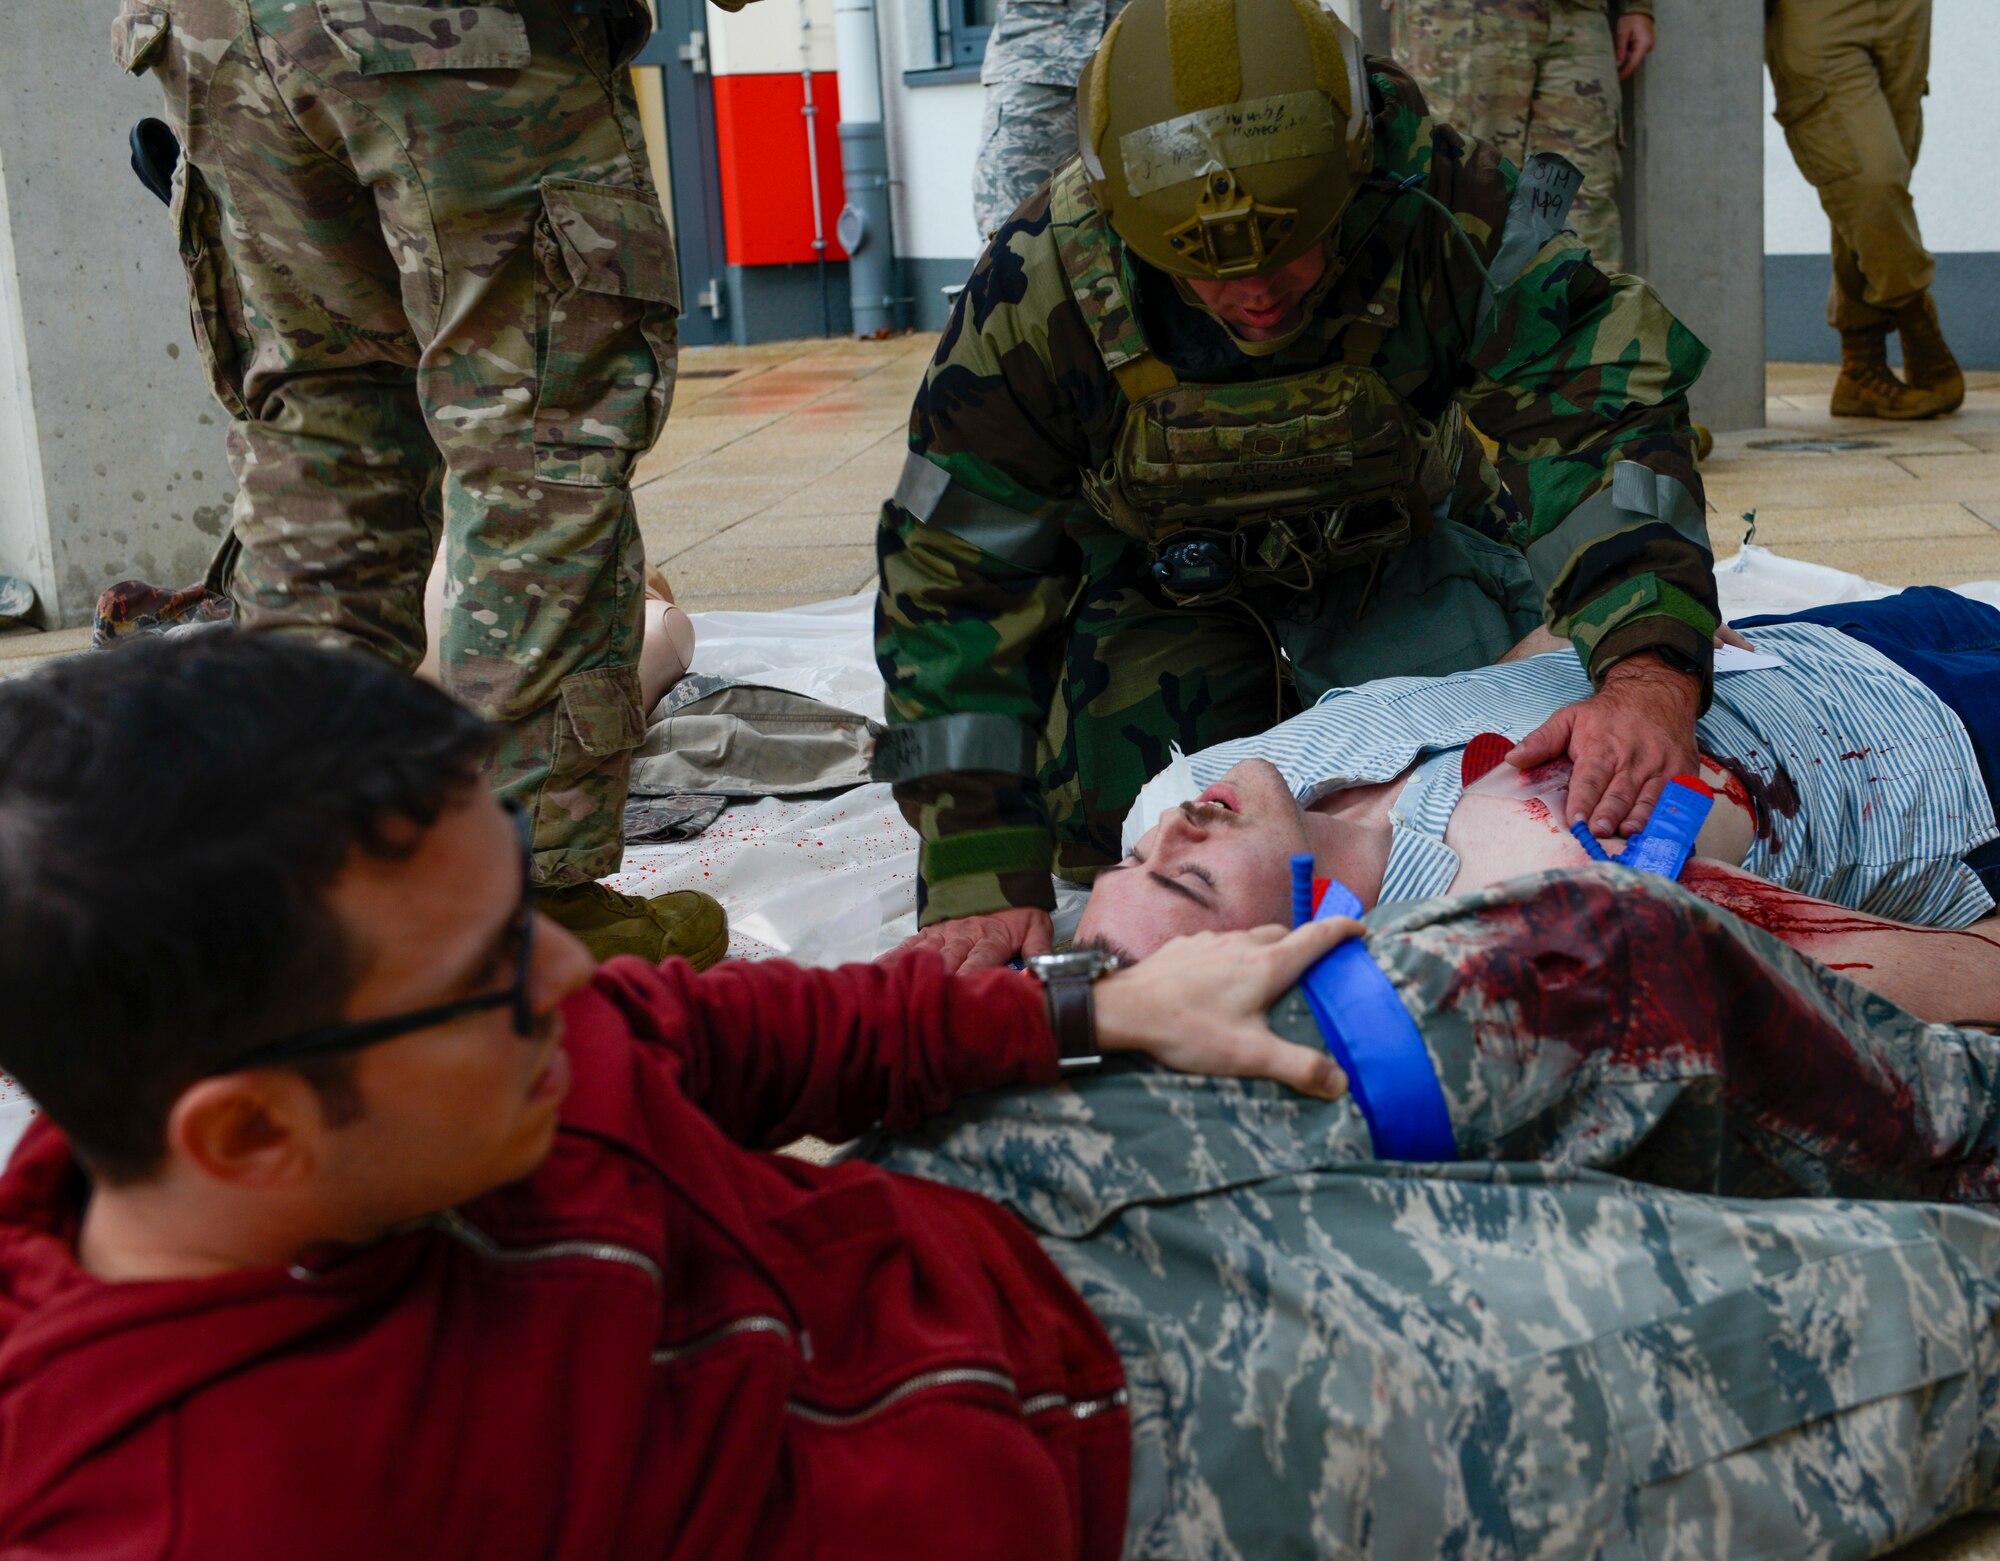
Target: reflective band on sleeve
x=1378, y=1046
x=967, y=741
x=928, y=492
x=1236, y=135
x=1638, y=495
x=921, y=485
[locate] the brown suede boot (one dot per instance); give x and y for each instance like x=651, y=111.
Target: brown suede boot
x=683, y=925
x=1927, y=362
x=1868, y=387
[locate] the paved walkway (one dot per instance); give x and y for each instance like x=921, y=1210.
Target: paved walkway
x=765, y=488
x=764, y=491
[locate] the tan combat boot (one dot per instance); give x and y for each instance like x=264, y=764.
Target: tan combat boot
x=685, y=925
x=1927, y=362
x=1868, y=387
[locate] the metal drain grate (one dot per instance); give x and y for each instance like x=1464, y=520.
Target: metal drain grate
x=1815, y=446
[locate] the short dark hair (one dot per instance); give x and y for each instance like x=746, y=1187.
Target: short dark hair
x=171, y=813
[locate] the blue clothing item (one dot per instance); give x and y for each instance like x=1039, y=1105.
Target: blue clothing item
x=1951, y=645
x=1364, y=1024
x=1866, y=789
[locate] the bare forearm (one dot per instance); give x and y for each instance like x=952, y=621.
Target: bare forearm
x=1942, y=975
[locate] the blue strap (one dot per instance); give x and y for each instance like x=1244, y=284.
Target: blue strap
x=1378, y=1046
x=1581, y=833
x=1667, y=841
x=1302, y=889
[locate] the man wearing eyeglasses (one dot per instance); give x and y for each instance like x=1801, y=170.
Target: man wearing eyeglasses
x=370, y=1220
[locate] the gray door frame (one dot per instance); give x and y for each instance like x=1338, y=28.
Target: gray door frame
x=679, y=50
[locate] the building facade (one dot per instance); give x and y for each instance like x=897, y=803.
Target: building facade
x=765, y=271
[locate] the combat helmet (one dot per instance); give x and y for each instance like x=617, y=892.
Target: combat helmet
x=1224, y=137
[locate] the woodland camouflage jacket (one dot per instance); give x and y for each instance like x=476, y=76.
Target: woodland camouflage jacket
x=1579, y=375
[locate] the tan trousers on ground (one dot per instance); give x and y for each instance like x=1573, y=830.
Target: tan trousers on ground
x=1527, y=76
x=1850, y=77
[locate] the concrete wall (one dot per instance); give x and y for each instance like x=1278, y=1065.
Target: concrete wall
x=1694, y=196
x=111, y=448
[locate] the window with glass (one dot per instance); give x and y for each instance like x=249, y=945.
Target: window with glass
x=962, y=26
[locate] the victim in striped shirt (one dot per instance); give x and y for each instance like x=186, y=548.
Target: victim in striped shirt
x=1867, y=789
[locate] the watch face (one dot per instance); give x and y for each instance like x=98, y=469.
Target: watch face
x=1073, y=962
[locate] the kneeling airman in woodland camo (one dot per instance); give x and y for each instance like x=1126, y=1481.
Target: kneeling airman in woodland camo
x=1192, y=447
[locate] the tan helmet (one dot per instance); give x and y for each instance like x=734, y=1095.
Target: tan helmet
x=1224, y=137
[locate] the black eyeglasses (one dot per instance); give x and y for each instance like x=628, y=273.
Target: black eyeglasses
x=368, y=1032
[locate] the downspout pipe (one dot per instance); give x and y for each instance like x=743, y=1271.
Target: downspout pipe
x=811, y=112
x=863, y=228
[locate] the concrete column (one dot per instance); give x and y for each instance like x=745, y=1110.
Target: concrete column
x=1694, y=192
x=1694, y=186
x=112, y=461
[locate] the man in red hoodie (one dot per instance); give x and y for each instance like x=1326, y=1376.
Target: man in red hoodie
x=370, y=1221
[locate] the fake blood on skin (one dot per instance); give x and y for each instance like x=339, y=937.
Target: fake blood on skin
x=1797, y=918
x=1765, y=801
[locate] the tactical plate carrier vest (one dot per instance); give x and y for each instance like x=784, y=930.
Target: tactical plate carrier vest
x=1270, y=483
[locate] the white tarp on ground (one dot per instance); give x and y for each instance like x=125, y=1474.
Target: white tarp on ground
x=830, y=880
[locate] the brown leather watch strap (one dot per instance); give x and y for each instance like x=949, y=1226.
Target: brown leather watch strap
x=1073, y=1018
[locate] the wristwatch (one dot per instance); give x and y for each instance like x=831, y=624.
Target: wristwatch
x=1066, y=980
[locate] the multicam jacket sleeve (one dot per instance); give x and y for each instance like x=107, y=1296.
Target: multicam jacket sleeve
x=1580, y=376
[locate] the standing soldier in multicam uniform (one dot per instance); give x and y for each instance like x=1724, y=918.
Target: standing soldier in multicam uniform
x=1534, y=76
x=433, y=288
x=1034, y=54
x=1198, y=404
x=1850, y=78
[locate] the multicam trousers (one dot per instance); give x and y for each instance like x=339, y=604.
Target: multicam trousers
x=1527, y=76
x=434, y=291
x=1142, y=674
x=1744, y=1343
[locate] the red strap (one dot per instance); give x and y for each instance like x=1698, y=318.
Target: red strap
x=1481, y=755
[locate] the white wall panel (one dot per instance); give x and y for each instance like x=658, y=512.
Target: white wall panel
x=769, y=37
x=934, y=139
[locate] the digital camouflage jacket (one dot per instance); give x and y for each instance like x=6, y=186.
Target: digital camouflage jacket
x=1579, y=376
x=1694, y=1287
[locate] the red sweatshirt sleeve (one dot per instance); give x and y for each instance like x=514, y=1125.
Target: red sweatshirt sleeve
x=771, y=1051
